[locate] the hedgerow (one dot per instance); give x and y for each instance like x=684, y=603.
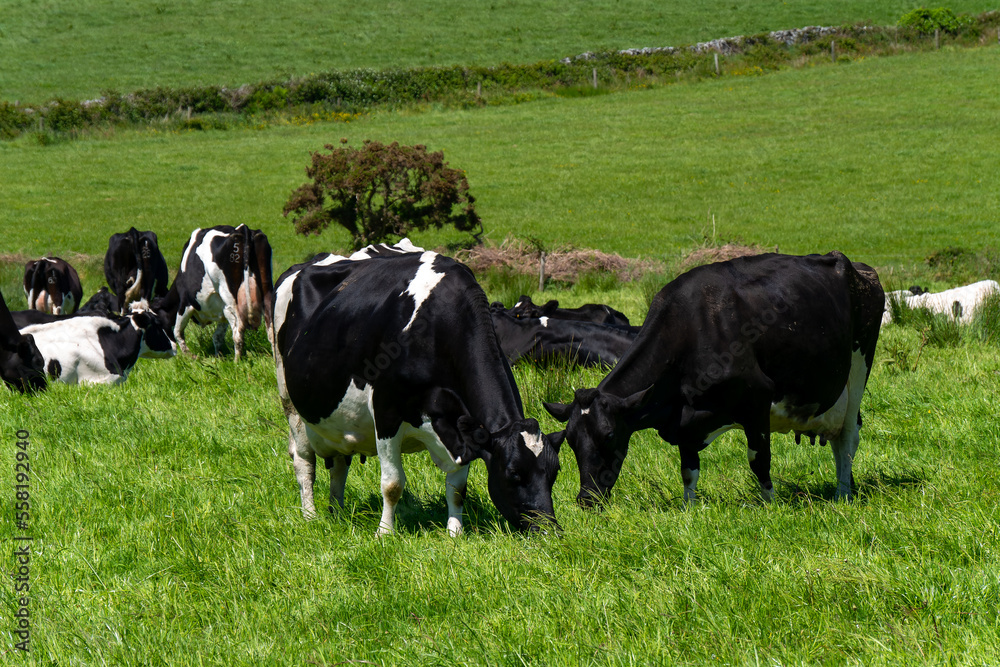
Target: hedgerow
x=349, y=92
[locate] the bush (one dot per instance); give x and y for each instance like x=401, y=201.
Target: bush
x=926, y=21
x=376, y=192
x=13, y=120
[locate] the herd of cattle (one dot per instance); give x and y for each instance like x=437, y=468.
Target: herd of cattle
x=395, y=349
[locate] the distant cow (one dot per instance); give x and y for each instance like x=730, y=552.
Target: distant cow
x=960, y=303
x=769, y=343
x=21, y=364
x=224, y=277
x=544, y=340
x=98, y=349
x=589, y=312
x=392, y=351
x=51, y=285
x=135, y=268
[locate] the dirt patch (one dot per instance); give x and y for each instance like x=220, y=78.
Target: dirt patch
x=711, y=254
x=562, y=264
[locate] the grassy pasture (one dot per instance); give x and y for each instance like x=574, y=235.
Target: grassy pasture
x=641, y=173
x=57, y=48
x=165, y=511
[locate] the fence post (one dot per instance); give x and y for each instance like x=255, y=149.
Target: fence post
x=716, y=63
x=833, y=51
x=595, y=78
x=937, y=38
x=541, y=270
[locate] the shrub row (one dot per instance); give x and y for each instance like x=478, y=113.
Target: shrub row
x=353, y=91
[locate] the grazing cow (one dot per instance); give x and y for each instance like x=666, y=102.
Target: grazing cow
x=392, y=351
x=589, y=312
x=51, y=285
x=225, y=277
x=769, y=343
x=135, y=268
x=98, y=349
x=21, y=364
x=960, y=303
x=543, y=340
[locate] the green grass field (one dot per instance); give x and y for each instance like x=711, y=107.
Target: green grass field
x=165, y=513
x=56, y=48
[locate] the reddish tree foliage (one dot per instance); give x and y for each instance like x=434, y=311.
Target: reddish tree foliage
x=380, y=191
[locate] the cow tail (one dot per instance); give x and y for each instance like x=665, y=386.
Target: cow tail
x=247, y=242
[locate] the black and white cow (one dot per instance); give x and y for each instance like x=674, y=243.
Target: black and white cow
x=21, y=364
x=588, y=312
x=770, y=343
x=99, y=349
x=544, y=340
x=224, y=277
x=51, y=285
x=392, y=351
x=959, y=303
x=135, y=268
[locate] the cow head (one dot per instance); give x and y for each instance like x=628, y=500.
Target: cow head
x=522, y=464
x=23, y=367
x=598, y=434
x=156, y=343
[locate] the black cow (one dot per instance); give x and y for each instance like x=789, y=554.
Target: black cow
x=224, y=277
x=543, y=340
x=135, y=268
x=103, y=302
x=771, y=343
x=589, y=312
x=21, y=364
x=98, y=349
x=51, y=285
x=392, y=351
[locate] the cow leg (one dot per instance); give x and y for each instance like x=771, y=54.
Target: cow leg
x=455, y=487
x=237, y=325
x=690, y=463
x=339, y=466
x=179, y=325
x=219, y=338
x=844, y=447
x=303, y=462
x=759, y=455
x=393, y=481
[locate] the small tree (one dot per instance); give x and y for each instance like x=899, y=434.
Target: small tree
x=377, y=191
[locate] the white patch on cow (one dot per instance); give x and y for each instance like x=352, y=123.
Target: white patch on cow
x=350, y=428
x=534, y=442
x=518, y=304
x=423, y=283
x=75, y=344
x=584, y=411
x=544, y=321
x=406, y=245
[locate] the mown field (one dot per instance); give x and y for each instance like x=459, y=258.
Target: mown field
x=165, y=512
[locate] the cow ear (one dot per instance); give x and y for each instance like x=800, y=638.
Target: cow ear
x=635, y=399
x=476, y=437
x=560, y=411
x=556, y=439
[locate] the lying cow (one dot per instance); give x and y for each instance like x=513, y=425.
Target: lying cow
x=224, y=277
x=392, y=351
x=960, y=303
x=135, y=268
x=544, y=340
x=98, y=349
x=103, y=302
x=770, y=343
x=589, y=312
x=51, y=285
x=21, y=364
